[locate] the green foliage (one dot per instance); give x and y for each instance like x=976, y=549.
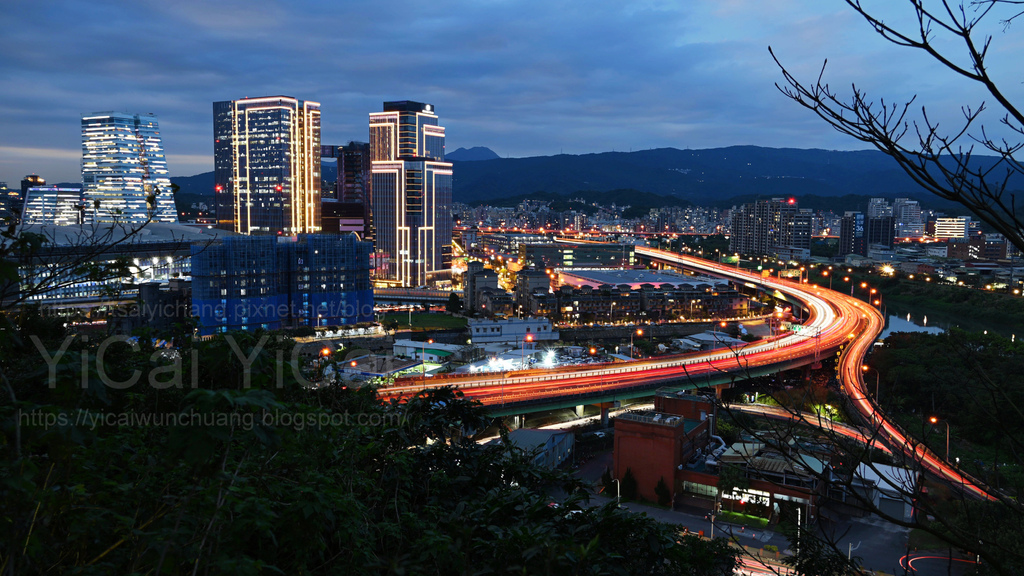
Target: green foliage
x=454, y=304
x=815, y=557
x=252, y=471
x=728, y=431
x=731, y=479
x=628, y=485
x=664, y=495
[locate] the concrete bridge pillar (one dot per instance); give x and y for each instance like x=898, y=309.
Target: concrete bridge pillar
x=579, y=411
x=604, y=415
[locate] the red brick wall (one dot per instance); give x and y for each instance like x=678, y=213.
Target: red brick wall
x=682, y=407
x=649, y=450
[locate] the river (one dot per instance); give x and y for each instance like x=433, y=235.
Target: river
x=909, y=318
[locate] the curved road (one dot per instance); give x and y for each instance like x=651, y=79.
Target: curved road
x=870, y=324
x=837, y=323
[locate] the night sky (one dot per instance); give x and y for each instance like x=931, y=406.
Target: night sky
x=523, y=78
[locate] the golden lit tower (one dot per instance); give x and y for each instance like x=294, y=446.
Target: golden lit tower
x=412, y=192
x=267, y=165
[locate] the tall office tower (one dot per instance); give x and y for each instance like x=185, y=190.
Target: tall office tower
x=31, y=181
x=352, y=195
x=879, y=208
x=760, y=227
x=266, y=155
x=124, y=172
x=412, y=192
x=852, y=234
x=907, y=213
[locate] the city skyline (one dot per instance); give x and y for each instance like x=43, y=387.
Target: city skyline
x=611, y=77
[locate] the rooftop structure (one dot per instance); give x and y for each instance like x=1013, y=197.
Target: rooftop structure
x=635, y=278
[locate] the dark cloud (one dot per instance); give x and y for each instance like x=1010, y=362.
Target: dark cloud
x=524, y=78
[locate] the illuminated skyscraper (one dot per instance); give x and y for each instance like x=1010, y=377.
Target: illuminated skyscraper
x=267, y=165
x=124, y=172
x=412, y=192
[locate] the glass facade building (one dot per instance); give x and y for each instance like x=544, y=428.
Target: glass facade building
x=50, y=205
x=412, y=192
x=267, y=165
x=262, y=282
x=124, y=172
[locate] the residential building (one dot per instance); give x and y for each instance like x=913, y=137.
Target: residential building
x=250, y=283
x=761, y=227
x=879, y=208
x=267, y=165
x=907, y=214
x=412, y=192
x=475, y=279
x=124, y=172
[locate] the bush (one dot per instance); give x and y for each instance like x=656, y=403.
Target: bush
x=664, y=496
x=629, y=485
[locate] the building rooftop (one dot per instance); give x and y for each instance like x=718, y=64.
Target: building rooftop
x=530, y=438
x=634, y=278
x=661, y=419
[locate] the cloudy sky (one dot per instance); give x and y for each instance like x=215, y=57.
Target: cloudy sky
x=521, y=77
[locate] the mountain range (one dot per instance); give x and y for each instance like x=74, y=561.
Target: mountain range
x=709, y=177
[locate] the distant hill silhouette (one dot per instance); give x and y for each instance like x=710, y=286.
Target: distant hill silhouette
x=473, y=154
x=713, y=177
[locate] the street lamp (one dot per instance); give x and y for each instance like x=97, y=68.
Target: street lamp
x=618, y=493
x=423, y=358
x=639, y=332
x=865, y=368
x=935, y=420
x=522, y=356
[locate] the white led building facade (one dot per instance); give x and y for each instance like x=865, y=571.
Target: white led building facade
x=124, y=172
x=412, y=192
x=50, y=205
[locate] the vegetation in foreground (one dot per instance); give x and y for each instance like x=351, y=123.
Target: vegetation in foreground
x=250, y=471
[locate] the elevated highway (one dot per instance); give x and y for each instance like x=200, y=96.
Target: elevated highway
x=835, y=323
x=827, y=328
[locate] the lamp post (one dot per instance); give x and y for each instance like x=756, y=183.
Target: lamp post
x=639, y=332
x=522, y=356
x=423, y=359
x=865, y=368
x=935, y=420
x=618, y=493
